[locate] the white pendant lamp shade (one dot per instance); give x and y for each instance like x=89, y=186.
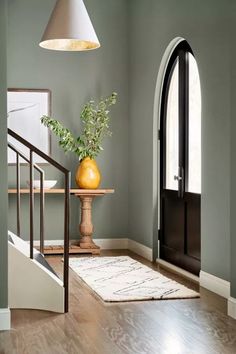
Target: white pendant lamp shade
x=70, y=28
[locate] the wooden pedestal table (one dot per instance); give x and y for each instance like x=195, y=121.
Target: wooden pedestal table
x=86, y=196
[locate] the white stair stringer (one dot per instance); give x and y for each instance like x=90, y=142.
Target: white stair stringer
x=31, y=285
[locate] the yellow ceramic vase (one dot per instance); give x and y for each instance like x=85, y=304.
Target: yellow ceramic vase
x=88, y=175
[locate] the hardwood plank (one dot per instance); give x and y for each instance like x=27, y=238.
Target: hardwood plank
x=196, y=326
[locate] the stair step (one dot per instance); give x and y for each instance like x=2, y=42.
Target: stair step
x=40, y=259
x=10, y=239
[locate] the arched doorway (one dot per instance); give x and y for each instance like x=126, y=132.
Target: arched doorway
x=180, y=160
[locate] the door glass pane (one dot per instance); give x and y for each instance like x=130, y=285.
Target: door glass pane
x=172, y=131
x=194, y=177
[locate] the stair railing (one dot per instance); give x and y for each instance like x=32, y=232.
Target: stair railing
x=42, y=198
x=67, y=185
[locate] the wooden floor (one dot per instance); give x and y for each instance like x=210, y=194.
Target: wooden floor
x=196, y=326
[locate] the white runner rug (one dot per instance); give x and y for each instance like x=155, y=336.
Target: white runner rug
x=124, y=279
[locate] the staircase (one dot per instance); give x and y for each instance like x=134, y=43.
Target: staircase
x=33, y=284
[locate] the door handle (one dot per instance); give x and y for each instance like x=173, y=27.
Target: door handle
x=177, y=178
x=180, y=179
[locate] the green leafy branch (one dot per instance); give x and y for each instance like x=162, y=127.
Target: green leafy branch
x=95, y=119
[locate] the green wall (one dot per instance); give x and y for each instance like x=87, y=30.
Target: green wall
x=205, y=25
x=73, y=79
x=128, y=62
x=3, y=160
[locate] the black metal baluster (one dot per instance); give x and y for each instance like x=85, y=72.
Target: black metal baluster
x=66, y=240
x=31, y=207
x=42, y=207
x=18, y=194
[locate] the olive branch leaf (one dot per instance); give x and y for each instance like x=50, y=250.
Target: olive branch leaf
x=95, y=119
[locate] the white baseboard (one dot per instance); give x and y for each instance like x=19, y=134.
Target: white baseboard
x=140, y=249
x=104, y=243
x=178, y=270
x=49, y=243
x=215, y=284
x=232, y=307
x=111, y=244
x=5, y=319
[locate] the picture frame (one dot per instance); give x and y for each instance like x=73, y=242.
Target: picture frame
x=25, y=107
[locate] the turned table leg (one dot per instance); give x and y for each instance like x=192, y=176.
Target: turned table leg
x=86, y=226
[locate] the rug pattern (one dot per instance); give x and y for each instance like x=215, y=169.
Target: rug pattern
x=125, y=279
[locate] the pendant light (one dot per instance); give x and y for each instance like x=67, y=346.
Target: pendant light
x=69, y=28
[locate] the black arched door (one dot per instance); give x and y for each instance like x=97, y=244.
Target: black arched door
x=180, y=178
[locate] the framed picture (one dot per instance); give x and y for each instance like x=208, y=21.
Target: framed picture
x=25, y=108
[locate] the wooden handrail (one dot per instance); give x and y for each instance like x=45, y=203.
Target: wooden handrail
x=37, y=151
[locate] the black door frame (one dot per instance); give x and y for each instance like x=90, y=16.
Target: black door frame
x=181, y=52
